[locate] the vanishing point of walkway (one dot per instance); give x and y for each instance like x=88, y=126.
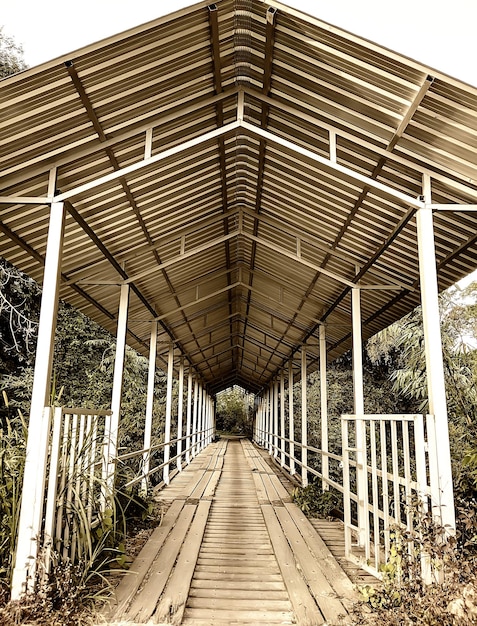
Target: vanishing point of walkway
x=232, y=549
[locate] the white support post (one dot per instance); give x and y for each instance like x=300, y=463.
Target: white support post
x=194, y=417
x=258, y=422
x=358, y=390
x=282, y=418
x=200, y=411
x=324, y=410
x=262, y=421
x=304, y=421
x=149, y=405
x=211, y=420
x=167, y=425
x=291, y=418
x=205, y=417
x=443, y=495
x=269, y=421
x=189, y=415
x=180, y=414
x=275, y=418
x=38, y=429
x=112, y=423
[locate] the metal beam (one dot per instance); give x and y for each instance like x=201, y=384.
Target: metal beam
x=450, y=177
x=163, y=116
x=185, y=255
x=345, y=171
x=139, y=165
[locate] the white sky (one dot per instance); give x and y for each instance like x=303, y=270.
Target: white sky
x=438, y=33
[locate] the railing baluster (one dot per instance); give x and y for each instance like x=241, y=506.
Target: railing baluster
x=385, y=486
x=375, y=500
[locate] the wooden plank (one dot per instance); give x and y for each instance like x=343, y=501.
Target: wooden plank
x=260, y=487
x=132, y=579
x=332, y=535
x=171, y=608
x=250, y=593
x=248, y=585
x=312, y=569
x=212, y=484
x=281, y=490
x=238, y=604
x=199, y=487
x=144, y=604
x=237, y=572
x=226, y=560
x=304, y=606
x=227, y=617
x=333, y=572
x=272, y=495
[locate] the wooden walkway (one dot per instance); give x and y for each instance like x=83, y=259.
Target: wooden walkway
x=232, y=550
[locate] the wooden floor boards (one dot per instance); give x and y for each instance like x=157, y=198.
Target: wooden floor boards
x=232, y=549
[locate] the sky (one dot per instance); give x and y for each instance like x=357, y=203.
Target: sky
x=438, y=33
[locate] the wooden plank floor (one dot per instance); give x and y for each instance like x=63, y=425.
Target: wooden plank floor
x=232, y=550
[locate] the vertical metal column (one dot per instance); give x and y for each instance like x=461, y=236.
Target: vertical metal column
x=200, y=414
x=117, y=381
x=324, y=410
x=167, y=425
x=259, y=427
x=275, y=418
x=149, y=405
x=189, y=415
x=304, y=421
x=291, y=418
x=270, y=420
x=282, y=418
x=180, y=413
x=358, y=390
x=194, y=417
x=38, y=429
x=443, y=494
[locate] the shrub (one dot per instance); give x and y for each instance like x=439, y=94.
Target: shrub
x=315, y=502
x=404, y=598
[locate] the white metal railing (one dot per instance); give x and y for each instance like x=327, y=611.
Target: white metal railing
x=180, y=455
x=74, y=490
x=284, y=451
x=386, y=464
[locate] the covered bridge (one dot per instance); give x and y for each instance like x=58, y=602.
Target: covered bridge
x=243, y=193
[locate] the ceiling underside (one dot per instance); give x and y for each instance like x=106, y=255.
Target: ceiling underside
x=242, y=167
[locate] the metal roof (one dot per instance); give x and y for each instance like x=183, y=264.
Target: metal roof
x=242, y=166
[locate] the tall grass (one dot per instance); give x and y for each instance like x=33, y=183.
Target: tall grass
x=13, y=433
x=88, y=541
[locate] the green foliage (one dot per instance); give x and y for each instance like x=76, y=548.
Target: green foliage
x=12, y=462
x=19, y=313
x=403, y=598
x=234, y=412
x=11, y=55
x=315, y=502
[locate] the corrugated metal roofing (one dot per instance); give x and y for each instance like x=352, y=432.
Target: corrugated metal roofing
x=242, y=166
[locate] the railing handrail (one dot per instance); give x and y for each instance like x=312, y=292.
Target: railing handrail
x=157, y=446
x=84, y=411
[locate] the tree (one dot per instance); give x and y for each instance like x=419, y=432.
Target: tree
x=401, y=347
x=233, y=411
x=19, y=314
x=11, y=55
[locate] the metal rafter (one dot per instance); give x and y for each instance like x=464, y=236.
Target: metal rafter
x=216, y=62
x=267, y=83
x=122, y=180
